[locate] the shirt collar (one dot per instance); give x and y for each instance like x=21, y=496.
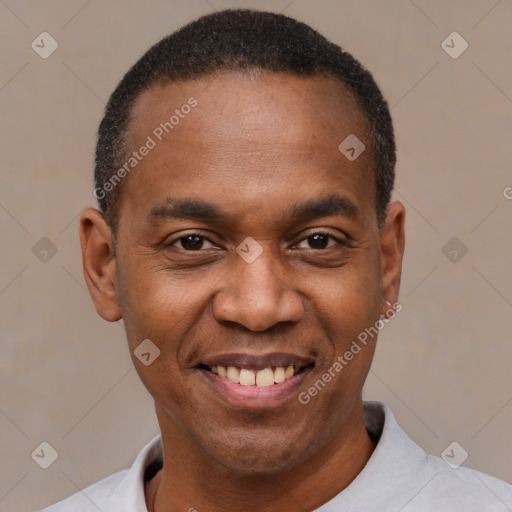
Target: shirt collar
x=395, y=455
x=395, y=460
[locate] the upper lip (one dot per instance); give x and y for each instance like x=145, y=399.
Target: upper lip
x=258, y=361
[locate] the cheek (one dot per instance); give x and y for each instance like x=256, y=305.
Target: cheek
x=353, y=314
x=155, y=310
x=348, y=307
x=168, y=311
x=159, y=306
x=349, y=301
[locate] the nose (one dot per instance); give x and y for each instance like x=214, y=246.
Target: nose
x=256, y=297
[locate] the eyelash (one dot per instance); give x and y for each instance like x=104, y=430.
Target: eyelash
x=337, y=240
x=173, y=242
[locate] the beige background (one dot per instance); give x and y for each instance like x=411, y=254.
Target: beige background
x=443, y=365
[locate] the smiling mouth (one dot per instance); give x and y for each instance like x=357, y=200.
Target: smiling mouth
x=264, y=377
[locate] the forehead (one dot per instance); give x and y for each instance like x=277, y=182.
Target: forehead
x=247, y=134
x=252, y=102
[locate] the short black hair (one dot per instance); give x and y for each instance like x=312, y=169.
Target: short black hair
x=237, y=40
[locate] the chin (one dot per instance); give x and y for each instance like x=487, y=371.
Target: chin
x=256, y=457
x=256, y=465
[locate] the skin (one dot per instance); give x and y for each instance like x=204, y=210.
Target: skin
x=256, y=145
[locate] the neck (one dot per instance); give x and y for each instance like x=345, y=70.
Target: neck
x=191, y=479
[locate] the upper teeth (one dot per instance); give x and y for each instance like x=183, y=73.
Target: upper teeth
x=245, y=377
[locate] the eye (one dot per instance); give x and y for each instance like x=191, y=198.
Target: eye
x=318, y=241
x=192, y=242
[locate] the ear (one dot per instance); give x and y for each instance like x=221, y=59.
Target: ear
x=392, y=243
x=99, y=263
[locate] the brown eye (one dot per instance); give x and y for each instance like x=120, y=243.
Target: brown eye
x=192, y=243
x=318, y=241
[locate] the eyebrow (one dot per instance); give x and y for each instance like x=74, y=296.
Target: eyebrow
x=186, y=209
x=333, y=205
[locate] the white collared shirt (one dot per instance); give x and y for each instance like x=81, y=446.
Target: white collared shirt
x=399, y=477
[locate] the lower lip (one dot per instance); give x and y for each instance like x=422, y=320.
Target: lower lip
x=255, y=397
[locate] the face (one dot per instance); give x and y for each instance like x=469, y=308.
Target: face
x=248, y=244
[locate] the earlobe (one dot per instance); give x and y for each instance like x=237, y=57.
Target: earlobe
x=392, y=250
x=99, y=264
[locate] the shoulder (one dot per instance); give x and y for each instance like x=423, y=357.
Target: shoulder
x=463, y=487
x=91, y=499
x=401, y=476
x=122, y=491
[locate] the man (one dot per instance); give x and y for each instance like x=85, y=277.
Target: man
x=246, y=236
